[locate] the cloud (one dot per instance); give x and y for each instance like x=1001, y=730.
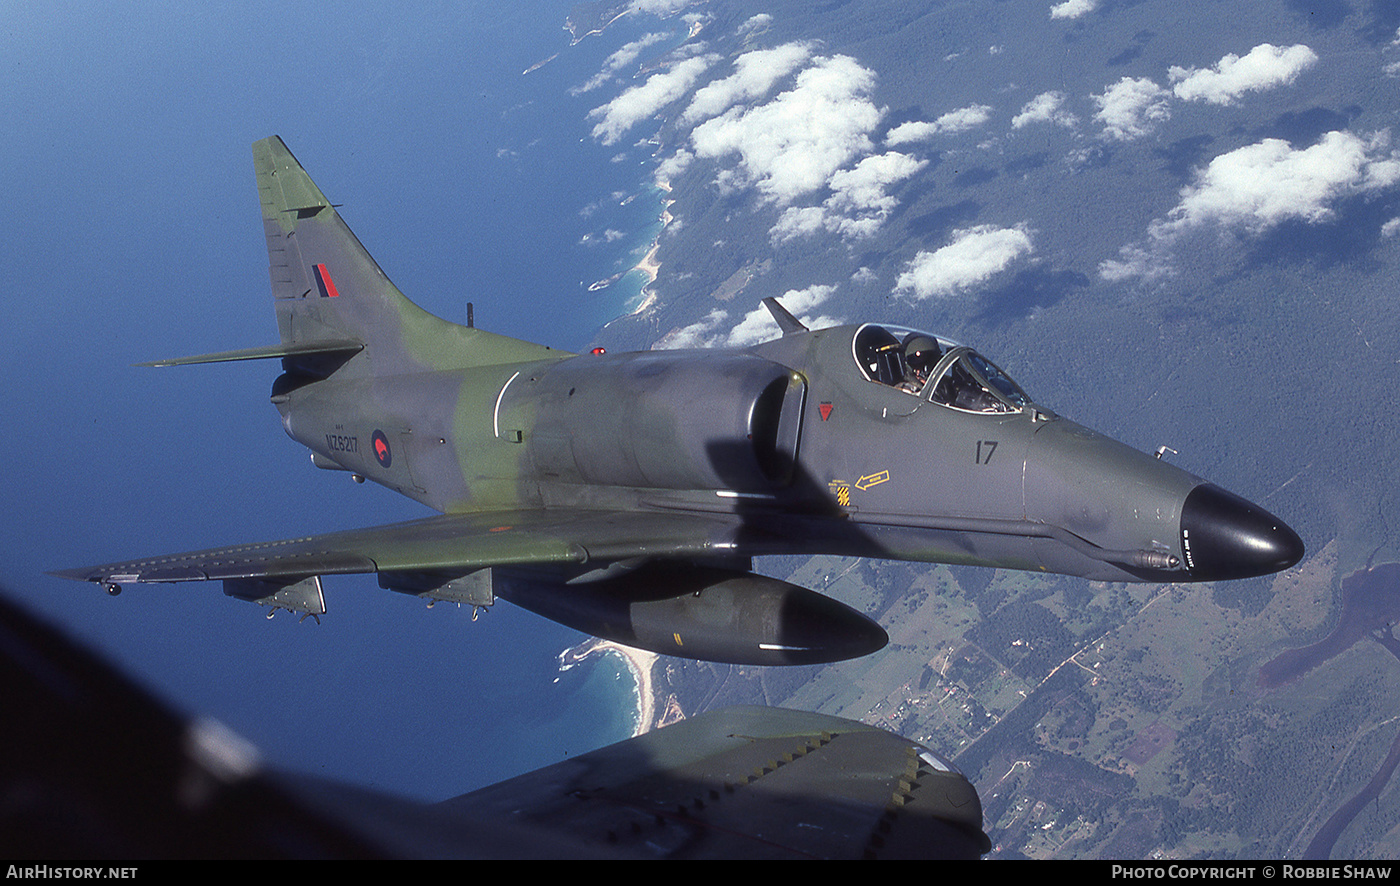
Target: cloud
x=798, y=221
x=640, y=102
x=754, y=24
x=974, y=256
x=700, y=334
x=1044, y=108
x=1146, y=263
x=792, y=145
x=863, y=188
x=757, y=325
x=1129, y=107
x=755, y=73
x=858, y=204
x=617, y=61
x=673, y=166
x=954, y=121
x=913, y=131
x=1264, y=67
x=1073, y=8
x=1258, y=186
x=659, y=7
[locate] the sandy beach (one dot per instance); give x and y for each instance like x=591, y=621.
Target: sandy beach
x=638, y=661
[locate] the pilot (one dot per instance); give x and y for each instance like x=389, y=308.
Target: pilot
x=921, y=355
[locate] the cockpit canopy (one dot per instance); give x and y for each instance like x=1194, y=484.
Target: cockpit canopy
x=934, y=368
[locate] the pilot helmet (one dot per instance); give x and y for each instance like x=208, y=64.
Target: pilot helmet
x=921, y=352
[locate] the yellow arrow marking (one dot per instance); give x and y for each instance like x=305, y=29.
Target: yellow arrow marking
x=873, y=480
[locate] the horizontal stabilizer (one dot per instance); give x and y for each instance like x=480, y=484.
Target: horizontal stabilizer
x=344, y=348
x=784, y=318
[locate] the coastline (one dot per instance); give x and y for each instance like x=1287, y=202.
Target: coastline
x=650, y=265
x=638, y=661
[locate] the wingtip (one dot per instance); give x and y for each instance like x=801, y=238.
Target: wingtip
x=82, y=574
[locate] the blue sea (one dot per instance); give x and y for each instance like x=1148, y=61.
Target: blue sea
x=536, y=213
x=567, y=213
x=469, y=180
x=547, y=212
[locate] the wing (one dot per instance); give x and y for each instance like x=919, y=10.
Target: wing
x=450, y=544
x=749, y=782
x=741, y=783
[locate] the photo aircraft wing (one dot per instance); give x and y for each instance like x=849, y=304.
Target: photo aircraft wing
x=746, y=782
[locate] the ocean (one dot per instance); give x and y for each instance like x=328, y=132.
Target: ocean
x=553, y=221
x=554, y=265
x=469, y=180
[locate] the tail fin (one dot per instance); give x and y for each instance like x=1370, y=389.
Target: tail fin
x=328, y=290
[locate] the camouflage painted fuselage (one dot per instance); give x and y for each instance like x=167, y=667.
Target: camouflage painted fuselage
x=626, y=494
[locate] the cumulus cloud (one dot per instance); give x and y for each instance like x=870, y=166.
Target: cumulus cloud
x=954, y=121
x=813, y=137
x=1073, y=8
x=1264, y=67
x=913, y=131
x=755, y=24
x=673, y=166
x=975, y=255
x=1044, y=108
x=1258, y=186
x=794, y=223
x=755, y=73
x=1129, y=107
x=863, y=188
x=798, y=221
x=703, y=333
x=756, y=326
x=1148, y=263
x=792, y=145
x=617, y=61
x=659, y=7
x=640, y=102
x=859, y=201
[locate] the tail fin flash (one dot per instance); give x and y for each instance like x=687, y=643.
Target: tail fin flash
x=328, y=290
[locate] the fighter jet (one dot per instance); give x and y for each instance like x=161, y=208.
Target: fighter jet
x=627, y=494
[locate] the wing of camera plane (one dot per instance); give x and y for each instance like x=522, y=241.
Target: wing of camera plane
x=739, y=783
x=750, y=782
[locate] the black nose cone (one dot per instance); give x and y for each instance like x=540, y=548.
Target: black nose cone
x=1224, y=536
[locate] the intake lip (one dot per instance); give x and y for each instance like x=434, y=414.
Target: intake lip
x=1224, y=536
